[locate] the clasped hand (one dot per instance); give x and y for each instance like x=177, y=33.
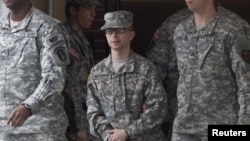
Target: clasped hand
x=117, y=135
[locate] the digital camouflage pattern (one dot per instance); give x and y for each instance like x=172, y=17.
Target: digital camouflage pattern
x=115, y=99
x=161, y=51
x=117, y=19
x=75, y=92
x=47, y=136
x=188, y=137
x=33, y=58
x=214, y=82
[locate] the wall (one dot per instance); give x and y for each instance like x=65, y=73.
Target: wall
x=41, y=4
x=3, y=9
x=54, y=8
x=58, y=9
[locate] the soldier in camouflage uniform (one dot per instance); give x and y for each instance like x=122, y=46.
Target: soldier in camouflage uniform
x=120, y=84
x=213, y=49
x=33, y=58
x=162, y=52
x=80, y=15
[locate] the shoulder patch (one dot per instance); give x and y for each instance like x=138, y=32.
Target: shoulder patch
x=246, y=56
x=54, y=39
x=60, y=55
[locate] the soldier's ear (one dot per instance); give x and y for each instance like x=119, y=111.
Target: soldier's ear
x=73, y=11
x=132, y=35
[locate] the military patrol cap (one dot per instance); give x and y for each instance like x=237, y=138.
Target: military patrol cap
x=85, y=3
x=117, y=19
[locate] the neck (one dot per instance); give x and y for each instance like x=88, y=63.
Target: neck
x=20, y=13
x=202, y=18
x=76, y=27
x=120, y=55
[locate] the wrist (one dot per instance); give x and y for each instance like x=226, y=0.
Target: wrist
x=27, y=107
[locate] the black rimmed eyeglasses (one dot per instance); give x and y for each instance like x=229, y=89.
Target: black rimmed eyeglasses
x=110, y=31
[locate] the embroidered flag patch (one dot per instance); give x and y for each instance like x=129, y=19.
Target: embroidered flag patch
x=75, y=54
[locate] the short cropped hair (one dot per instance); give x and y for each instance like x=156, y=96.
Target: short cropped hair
x=67, y=8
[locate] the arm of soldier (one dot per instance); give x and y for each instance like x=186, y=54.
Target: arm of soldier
x=161, y=48
x=54, y=58
x=157, y=50
x=98, y=123
x=241, y=66
x=80, y=112
x=80, y=119
x=156, y=101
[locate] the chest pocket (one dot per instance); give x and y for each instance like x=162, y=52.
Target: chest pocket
x=25, y=52
x=127, y=94
x=135, y=93
x=212, y=52
x=200, y=52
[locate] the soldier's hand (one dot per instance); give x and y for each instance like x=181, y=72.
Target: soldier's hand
x=18, y=116
x=81, y=136
x=117, y=135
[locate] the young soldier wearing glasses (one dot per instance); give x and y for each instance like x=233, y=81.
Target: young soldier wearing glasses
x=120, y=84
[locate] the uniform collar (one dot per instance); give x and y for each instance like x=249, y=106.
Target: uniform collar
x=208, y=29
x=129, y=67
x=5, y=22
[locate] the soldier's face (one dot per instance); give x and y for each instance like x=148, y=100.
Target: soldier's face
x=197, y=5
x=85, y=16
x=119, y=40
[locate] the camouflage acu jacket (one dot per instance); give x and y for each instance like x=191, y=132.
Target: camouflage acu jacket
x=115, y=99
x=33, y=57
